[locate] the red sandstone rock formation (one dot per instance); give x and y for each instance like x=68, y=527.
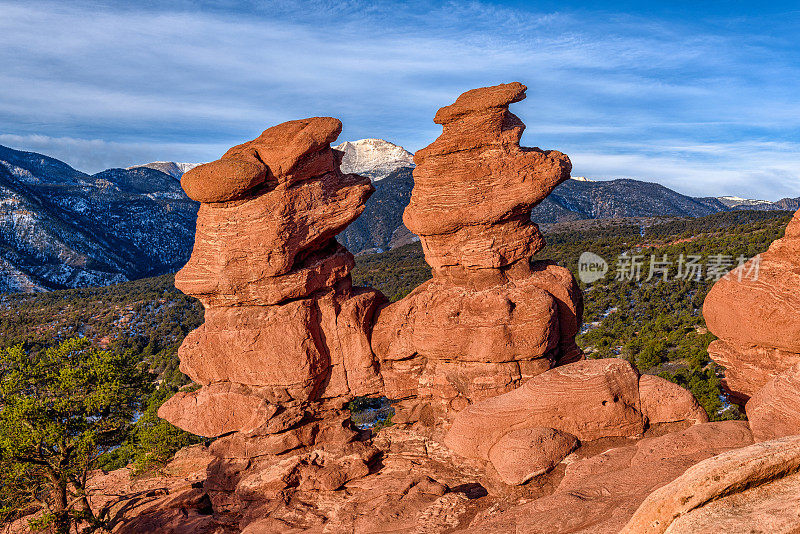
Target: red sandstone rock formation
x=774, y=411
x=586, y=401
x=665, y=402
x=599, y=492
x=285, y=340
x=754, y=489
x=489, y=319
x=283, y=323
x=590, y=399
x=525, y=453
x=758, y=321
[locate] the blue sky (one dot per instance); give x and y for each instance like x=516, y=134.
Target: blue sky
x=699, y=96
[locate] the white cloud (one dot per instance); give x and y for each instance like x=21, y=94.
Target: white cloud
x=667, y=99
x=95, y=155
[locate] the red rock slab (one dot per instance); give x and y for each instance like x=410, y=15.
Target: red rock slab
x=599, y=494
x=666, y=402
x=346, y=320
x=288, y=152
x=294, y=150
x=774, y=411
x=170, y=500
x=497, y=185
x=217, y=409
x=474, y=186
x=445, y=322
x=559, y=282
x=718, y=477
x=483, y=98
x=748, y=368
x=322, y=269
x=526, y=453
x=483, y=246
x=274, y=346
x=590, y=399
x=238, y=245
x=772, y=508
x=763, y=312
x=223, y=179
x=455, y=384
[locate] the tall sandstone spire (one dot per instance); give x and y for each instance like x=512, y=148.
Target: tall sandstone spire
x=490, y=317
x=283, y=324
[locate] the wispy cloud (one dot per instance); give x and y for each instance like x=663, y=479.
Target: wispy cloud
x=92, y=155
x=650, y=92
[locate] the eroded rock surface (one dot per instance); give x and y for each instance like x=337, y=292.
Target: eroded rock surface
x=663, y=401
x=283, y=323
x=590, y=399
x=774, y=411
x=598, y=494
x=753, y=489
x=755, y=311
x=285, y=342
x=489, y=319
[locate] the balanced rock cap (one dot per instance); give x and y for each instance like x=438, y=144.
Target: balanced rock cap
x=496, y=96
x=290, y=151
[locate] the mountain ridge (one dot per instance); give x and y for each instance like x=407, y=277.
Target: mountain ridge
x=172, y=168
x=375, y=158
x=62, y=228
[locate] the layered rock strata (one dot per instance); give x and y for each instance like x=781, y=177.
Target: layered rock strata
x=490, y=318
x=285, y=342
x=755, y=311
x=555, y=411
x=599, y=492
x=283, y=323
x=754, y=489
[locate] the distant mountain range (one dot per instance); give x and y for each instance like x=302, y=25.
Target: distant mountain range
x=175, y=170
x=62, y=228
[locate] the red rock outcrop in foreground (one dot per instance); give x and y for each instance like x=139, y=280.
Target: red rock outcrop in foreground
x=489, y=319
x=285, y=341
x=755, y=489
x=585, y=401
x=758, y=320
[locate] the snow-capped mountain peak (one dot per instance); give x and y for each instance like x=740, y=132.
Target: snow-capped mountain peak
x=172, y=168
x=731, y=201
x=375, y=158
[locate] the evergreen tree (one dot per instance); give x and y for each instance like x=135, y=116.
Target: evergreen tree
x=61, y=410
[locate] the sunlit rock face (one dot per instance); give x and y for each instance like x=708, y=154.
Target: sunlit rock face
x=282, y=321
x=490, y=318
x=755, y=311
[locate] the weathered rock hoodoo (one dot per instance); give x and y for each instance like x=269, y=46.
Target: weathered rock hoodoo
x=489, y=319
x=755, y=311
x=285, y=339
x=281, y=313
